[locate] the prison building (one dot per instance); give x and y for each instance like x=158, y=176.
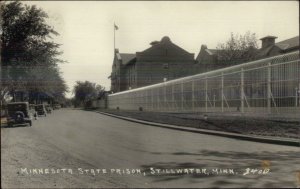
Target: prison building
x=269, y=48
x=269, y=86
x=163, y=61
x=209, y=59
x=117, y=76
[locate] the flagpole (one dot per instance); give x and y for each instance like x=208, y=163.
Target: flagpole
x=114, y=37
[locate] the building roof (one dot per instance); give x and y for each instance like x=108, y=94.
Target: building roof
x=164, y=43
x=126, y=57
x=269, y=36
x=264, y=51
x=282, y=45
x=289, y=43
x=212, y=51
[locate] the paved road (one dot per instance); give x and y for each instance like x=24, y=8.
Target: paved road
x=77, y=140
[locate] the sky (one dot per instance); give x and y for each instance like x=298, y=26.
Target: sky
x=86, y=28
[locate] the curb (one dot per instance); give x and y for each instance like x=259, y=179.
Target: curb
x=292, y=142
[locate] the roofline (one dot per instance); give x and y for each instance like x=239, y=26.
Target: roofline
x=269, y=36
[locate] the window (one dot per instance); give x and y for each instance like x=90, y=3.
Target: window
x=166, y=65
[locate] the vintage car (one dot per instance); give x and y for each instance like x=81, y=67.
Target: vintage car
x=33, y=111
x=56, y=106
x=18, y=114
x=41, y=110
x=48, y=109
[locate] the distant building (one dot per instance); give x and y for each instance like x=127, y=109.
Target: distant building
x=270, y=48
x=101, y=101
x=208, y=59
x=161, y=62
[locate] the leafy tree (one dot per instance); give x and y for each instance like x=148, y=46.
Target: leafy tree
x=48, y=80
x=87, y=91
x=238, y=48
x=29, y=60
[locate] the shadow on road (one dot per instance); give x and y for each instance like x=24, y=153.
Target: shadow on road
x=283, y=168
x=15, y=126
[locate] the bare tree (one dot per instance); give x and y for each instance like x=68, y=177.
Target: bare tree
x=238, y=48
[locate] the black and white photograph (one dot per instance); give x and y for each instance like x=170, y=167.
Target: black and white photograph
x=150, y=94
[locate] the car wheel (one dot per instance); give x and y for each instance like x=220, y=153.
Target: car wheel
x=19, y=116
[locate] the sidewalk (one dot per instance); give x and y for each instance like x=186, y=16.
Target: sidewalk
x=291, y=136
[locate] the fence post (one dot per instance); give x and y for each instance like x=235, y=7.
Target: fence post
x=182, y=96
x=269, y=88
x=299, y=94
x=165, y=97
x=296, y=97
x=147, y=103
x=173, y=99
x=206, y=95
x=152, y=104
x=242, y=90
x=158, y=99
x=135, y=100
x=222, y=92
x=214, y=102
x=193, y=96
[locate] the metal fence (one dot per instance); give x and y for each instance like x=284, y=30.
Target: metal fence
x=267, y=86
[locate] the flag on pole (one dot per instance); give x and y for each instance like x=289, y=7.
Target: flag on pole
x=116, y=27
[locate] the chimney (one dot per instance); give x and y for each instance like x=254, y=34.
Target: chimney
x=203, y=47
x=154, y=43
x=267, y=41
x=165, y=39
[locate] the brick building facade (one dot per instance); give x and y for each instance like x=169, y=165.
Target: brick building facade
x=161, y=62
x=165, y=60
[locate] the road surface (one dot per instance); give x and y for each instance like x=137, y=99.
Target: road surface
x=74, y=148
